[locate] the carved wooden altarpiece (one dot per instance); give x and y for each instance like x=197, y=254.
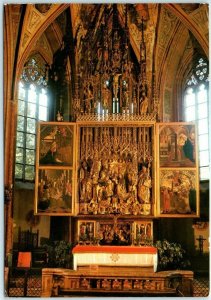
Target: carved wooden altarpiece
x=115, y=177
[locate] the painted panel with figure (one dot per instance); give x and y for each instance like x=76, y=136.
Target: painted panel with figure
x=56, y=144
x=177, y=145
x=54, y=192
x=143, y=232
x=178, y=193
x=55, y=169
x=86, y=232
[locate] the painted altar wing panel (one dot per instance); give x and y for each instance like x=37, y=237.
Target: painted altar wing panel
x=55, y=169
x=177, y=145
x=56, y=144
x=177, y=170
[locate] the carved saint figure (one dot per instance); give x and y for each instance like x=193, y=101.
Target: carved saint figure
x=116, y=85
x=144, y=104
x=88, y=98
x=88, y=189
x=144, y=185
x=59, y=117
x=106, y=96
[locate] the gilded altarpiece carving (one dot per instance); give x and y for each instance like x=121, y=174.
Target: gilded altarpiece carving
x=116, y=169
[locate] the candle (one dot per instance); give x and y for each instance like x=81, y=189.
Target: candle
x=98, y=108
x=117, y=106
x=113, y=106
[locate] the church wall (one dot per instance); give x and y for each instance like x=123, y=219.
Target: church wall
x=173, y=60
x=24, y=202
x=204, y=230
x=178, y=231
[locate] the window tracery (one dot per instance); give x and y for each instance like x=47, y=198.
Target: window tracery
x=196, y=109
x=199, y=74
x=32, y=106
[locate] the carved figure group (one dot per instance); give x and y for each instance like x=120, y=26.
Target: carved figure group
x=114, y=186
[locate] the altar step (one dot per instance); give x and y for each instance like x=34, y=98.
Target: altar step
x=110, y=284
x=102, y=293
x=116, y=281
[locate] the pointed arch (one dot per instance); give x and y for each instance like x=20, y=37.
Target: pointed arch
x=54, y=12
x=190, y=25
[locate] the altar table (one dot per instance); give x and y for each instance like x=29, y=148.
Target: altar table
x=127, y=256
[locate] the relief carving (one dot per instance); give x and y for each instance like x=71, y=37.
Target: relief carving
x=115, y=171
x=106, y=284
x=117, y=284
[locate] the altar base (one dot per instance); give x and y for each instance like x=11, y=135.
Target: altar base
x=104, y=281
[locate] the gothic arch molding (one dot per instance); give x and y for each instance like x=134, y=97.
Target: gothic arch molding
x=168, y=71
x=37, y=32
x=190, y=25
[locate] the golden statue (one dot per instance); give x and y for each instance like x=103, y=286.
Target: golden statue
x=144, y=185
x=116, y=85
x=144, y=104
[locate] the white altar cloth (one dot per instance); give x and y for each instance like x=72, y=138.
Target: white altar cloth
x=126, y=256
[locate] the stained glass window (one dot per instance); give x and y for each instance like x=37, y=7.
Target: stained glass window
x=196, y=109
x=32, y=106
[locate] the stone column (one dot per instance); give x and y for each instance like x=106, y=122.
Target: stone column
x=9, y=147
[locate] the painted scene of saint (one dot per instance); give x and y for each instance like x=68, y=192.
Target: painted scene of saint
x=144, y=231
x=86, y=231
x=55, y=192
x=178, y=192
x=56, y=145
x=177, y=146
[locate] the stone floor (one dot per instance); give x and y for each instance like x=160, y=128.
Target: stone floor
x=201, y=287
